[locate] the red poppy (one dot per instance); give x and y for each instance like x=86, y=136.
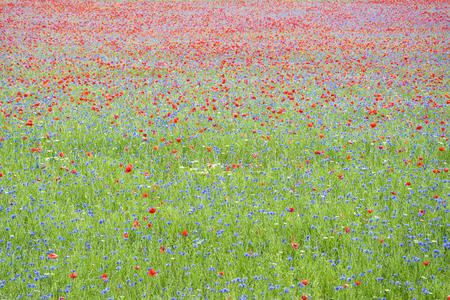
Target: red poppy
x=145, y=195
x=291, y=209
x=129, y=168
x=185, y=233
x=125, y=235
x=61, y=154
x=152, y=210
x=73, y=275
x=220, y=273
x=441, y=149
x=104, y=276
x=369, y=211
x=152, y=272
x=162, y=249
x=347, y=230
x=373, y=125
x=357, y=282
x=304, y=297
x=426, y=263
x=52, y=256
x=304, y=282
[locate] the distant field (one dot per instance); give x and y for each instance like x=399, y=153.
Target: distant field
x=224, y=150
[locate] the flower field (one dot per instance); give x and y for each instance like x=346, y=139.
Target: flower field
x=224, y=149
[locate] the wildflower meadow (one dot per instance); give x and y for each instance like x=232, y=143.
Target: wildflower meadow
x=224, y=149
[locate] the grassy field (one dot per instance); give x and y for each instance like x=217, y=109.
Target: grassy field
x=224, y=150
